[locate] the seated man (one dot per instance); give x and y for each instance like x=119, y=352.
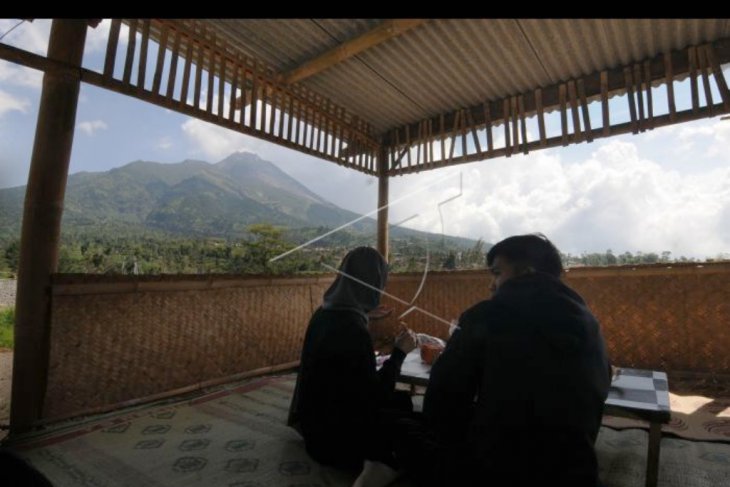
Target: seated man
x=517, y=396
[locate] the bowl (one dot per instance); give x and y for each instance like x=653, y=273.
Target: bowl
x=430, y=352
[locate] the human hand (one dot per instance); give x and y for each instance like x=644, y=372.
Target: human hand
x=453, y=327
x=406, y=341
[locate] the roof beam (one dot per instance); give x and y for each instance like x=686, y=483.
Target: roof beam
x=383, y=32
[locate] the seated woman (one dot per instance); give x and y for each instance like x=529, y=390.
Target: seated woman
x=340, y=398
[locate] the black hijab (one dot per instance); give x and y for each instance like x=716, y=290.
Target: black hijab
x=364, y=264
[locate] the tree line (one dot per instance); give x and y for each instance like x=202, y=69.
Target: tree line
x=122, y=253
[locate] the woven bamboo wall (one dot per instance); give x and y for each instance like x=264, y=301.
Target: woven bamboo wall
x=120, y=340
x=116, y=339
x=672, y=318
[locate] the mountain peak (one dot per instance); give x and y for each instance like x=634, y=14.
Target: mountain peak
x=242, y=157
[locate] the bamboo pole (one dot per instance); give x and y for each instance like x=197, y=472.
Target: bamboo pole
x=505, y=117
x=222, y=88
x=42, y=223
x=254, y=96
x=705, y=78
x=199, y=72
x=186, y=72
x=523, y=122
x=563, y=114
x=442, y=136
x=143, y=48
x=584, y=109
x=172, y=75
x=540, y=117
x=628, y=79
x=211, y=71
x=604, y=104
x=111, y=48
x=265, y=102
x=160, y=65
x=515, y=126
x=290, y=121
x=572, y=96
x=408, y=145
x=692, y=60
x=280, y=102
x=383, y=203
x=639, y=96
x=462, y=119
x=719, y=76
x=234, y=94
x=131, y=45
x=669, y=75
x=618, y=129
x=649, y=95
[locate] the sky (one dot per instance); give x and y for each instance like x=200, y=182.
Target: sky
x=662, y=190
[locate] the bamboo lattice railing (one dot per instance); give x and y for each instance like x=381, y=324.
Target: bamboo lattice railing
x=468, y=134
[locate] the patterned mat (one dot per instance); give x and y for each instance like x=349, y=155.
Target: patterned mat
x=237, y=437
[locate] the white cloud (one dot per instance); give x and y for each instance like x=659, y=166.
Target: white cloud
x=30, y=36
x=616, y=199
x=218, y=142
x=712, y=136
x=13, y=74
x=9, y=103
x=97, y=38
x=91, y=127
x=165, y=143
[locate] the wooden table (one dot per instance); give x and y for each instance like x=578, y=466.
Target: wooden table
x=634, y=393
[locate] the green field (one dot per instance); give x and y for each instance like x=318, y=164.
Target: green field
x=7, y=318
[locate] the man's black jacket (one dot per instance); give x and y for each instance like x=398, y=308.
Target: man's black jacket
x=522, y=384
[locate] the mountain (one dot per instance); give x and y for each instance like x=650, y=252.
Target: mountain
x=194, y=199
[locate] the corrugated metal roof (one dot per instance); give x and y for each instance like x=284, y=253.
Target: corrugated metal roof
x=446, y=64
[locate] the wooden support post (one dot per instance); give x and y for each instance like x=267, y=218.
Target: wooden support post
x=383, y=202
x=42, y=223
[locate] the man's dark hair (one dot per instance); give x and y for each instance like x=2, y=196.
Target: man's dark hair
x=533, y=250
